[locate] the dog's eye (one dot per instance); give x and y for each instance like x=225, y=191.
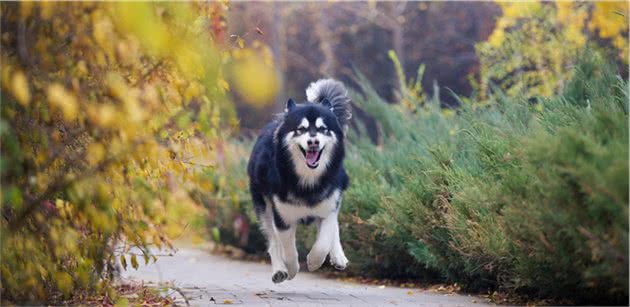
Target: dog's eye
x=322, y=129
x=301, y=130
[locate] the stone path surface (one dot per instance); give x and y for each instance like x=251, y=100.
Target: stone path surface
x=208, y=280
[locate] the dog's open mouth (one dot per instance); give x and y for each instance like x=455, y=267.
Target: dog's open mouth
x=312, y=155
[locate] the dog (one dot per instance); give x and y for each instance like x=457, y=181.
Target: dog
x=296, y=175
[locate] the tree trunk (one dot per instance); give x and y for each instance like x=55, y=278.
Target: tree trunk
x=279, y=42
x=398, y=42
x=398, y=32
x=322, y=30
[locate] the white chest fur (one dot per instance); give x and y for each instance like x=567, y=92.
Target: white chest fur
x=291, y=212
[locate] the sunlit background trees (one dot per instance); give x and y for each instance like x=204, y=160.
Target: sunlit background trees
x=490, y=146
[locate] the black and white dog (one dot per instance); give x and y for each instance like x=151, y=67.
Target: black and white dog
x=296, y=175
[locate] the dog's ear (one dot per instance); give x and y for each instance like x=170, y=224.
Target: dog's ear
x=326, y=103
x=290, y=105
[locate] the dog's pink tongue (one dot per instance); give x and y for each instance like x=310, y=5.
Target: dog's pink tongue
x=311, y=157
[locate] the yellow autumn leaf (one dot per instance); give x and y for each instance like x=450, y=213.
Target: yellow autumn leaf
x=6, y=75
x=223, y=84
x=64, y=282
x=20, y=89
x=150, y=96
x=61, y=99
x=103, y=115
x=134, y=262
x=255, y=81
x=193, y=90
x=116, y=85
x=47, y=9
x=26, y=8
x=95, y=153
x=122, y=302
x=103, y=31
x=123, y=261
x=189, y=61
x=139, y=18
x=82, y=68
x=133, y=110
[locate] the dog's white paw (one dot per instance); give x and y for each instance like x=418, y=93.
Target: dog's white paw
x=338, y=260
x=314, y=260
x=279, y=276
x=293, y=267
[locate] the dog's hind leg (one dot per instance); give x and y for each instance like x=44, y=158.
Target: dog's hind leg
x=279, y=269
x=285, y=233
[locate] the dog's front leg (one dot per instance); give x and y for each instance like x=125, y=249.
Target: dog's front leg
x=277, y=262
x=287, y=237
x=337, y=256
x=325, y=238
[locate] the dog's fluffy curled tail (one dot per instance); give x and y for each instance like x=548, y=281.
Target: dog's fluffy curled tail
x=333, y=91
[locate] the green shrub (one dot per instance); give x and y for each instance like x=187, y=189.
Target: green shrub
x=524, y=197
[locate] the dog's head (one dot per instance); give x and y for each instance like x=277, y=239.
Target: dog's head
x=313, y=138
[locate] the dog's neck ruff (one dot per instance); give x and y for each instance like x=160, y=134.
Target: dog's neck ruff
x=308, y=177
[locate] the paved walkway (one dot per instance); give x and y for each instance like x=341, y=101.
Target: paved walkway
x=208, y=280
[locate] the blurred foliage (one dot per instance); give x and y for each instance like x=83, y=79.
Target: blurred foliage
x=411, y=95
x=535, y=45
x=108, y=114
x=252, y=72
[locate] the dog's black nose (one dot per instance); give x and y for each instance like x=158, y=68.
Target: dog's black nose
x=312, y=142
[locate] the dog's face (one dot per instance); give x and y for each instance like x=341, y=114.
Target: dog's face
x=313, y=138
